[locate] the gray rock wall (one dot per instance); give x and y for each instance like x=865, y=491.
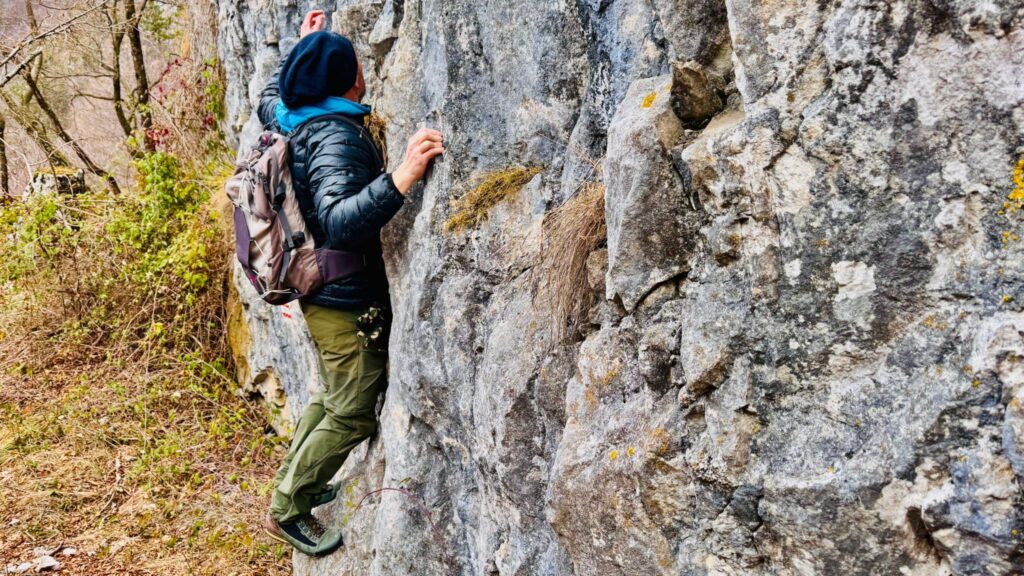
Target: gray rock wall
x=806, y=357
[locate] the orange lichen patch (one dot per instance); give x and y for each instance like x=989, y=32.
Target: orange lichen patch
x=1013, y=206
x=649, y=100
x=591, y=399
x=603, y=380
x=613, y=455
x=658, y=442
x=932, y=322
x=1015, y=200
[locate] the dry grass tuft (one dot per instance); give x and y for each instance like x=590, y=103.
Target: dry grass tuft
x=571, y=233
x=377, y=125
x=494, y=187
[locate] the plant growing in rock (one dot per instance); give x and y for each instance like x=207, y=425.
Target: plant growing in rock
x=491, y=189
x=572, y=232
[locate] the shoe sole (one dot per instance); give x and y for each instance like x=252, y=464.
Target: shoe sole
x=276, y=537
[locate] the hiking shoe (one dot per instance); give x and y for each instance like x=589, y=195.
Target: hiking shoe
x=305, y=534
x=327, y=496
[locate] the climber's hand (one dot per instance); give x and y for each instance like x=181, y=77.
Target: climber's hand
x=423, y=147
x=313, y=22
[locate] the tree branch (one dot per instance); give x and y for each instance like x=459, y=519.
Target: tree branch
x=141, y=79
x=117, y=38
x=36, y=131
x=17, y=69
x=67, y=139
x=5, y=190
x=48, y=32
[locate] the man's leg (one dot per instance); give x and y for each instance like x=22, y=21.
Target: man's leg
x=356, y=372
x=309, y=420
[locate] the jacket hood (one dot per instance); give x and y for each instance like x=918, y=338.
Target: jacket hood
x=290, y=119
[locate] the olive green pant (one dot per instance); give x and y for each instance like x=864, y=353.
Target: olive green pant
x=354, y=372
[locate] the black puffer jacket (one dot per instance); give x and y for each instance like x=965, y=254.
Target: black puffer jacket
x=345, y=195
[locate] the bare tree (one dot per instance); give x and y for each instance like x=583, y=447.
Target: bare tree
x=5, y=189
x=133, y=18
x=116, y=40
x=66, y=138
x=35, y=130
x=63, y=26
x=68, y=66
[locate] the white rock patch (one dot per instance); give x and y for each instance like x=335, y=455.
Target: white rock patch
x=856, y=284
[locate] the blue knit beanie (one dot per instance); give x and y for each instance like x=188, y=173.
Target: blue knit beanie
x=322, y=64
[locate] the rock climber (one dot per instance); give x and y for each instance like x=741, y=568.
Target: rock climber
x=346, y=198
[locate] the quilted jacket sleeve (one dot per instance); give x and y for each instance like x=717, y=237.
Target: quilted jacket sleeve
x=268, y=100
x=352, y=201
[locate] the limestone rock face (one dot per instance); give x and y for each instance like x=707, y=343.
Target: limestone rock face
x=809, y=357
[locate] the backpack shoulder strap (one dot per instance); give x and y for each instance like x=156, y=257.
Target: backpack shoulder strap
x=364, y=134
x=301, y=127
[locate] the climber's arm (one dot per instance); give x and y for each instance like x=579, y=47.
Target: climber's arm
x=269, y=96
x=349, y=212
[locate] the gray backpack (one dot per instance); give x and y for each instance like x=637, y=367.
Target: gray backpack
x=272, y=241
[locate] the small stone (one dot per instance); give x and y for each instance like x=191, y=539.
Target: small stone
x=44, y=563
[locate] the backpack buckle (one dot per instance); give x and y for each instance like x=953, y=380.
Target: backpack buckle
x=294, y=241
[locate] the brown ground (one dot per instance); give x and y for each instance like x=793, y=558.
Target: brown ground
x=162, y=474
x=120, y=431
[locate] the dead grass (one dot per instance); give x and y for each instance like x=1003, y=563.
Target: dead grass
x=571, y=233
x=156, y=473
x=57, y=170
x=492, y=189
x=120, y=433
x=377, y=126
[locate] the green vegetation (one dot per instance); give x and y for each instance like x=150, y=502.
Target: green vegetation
x=120, y=433
x=494, y=188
